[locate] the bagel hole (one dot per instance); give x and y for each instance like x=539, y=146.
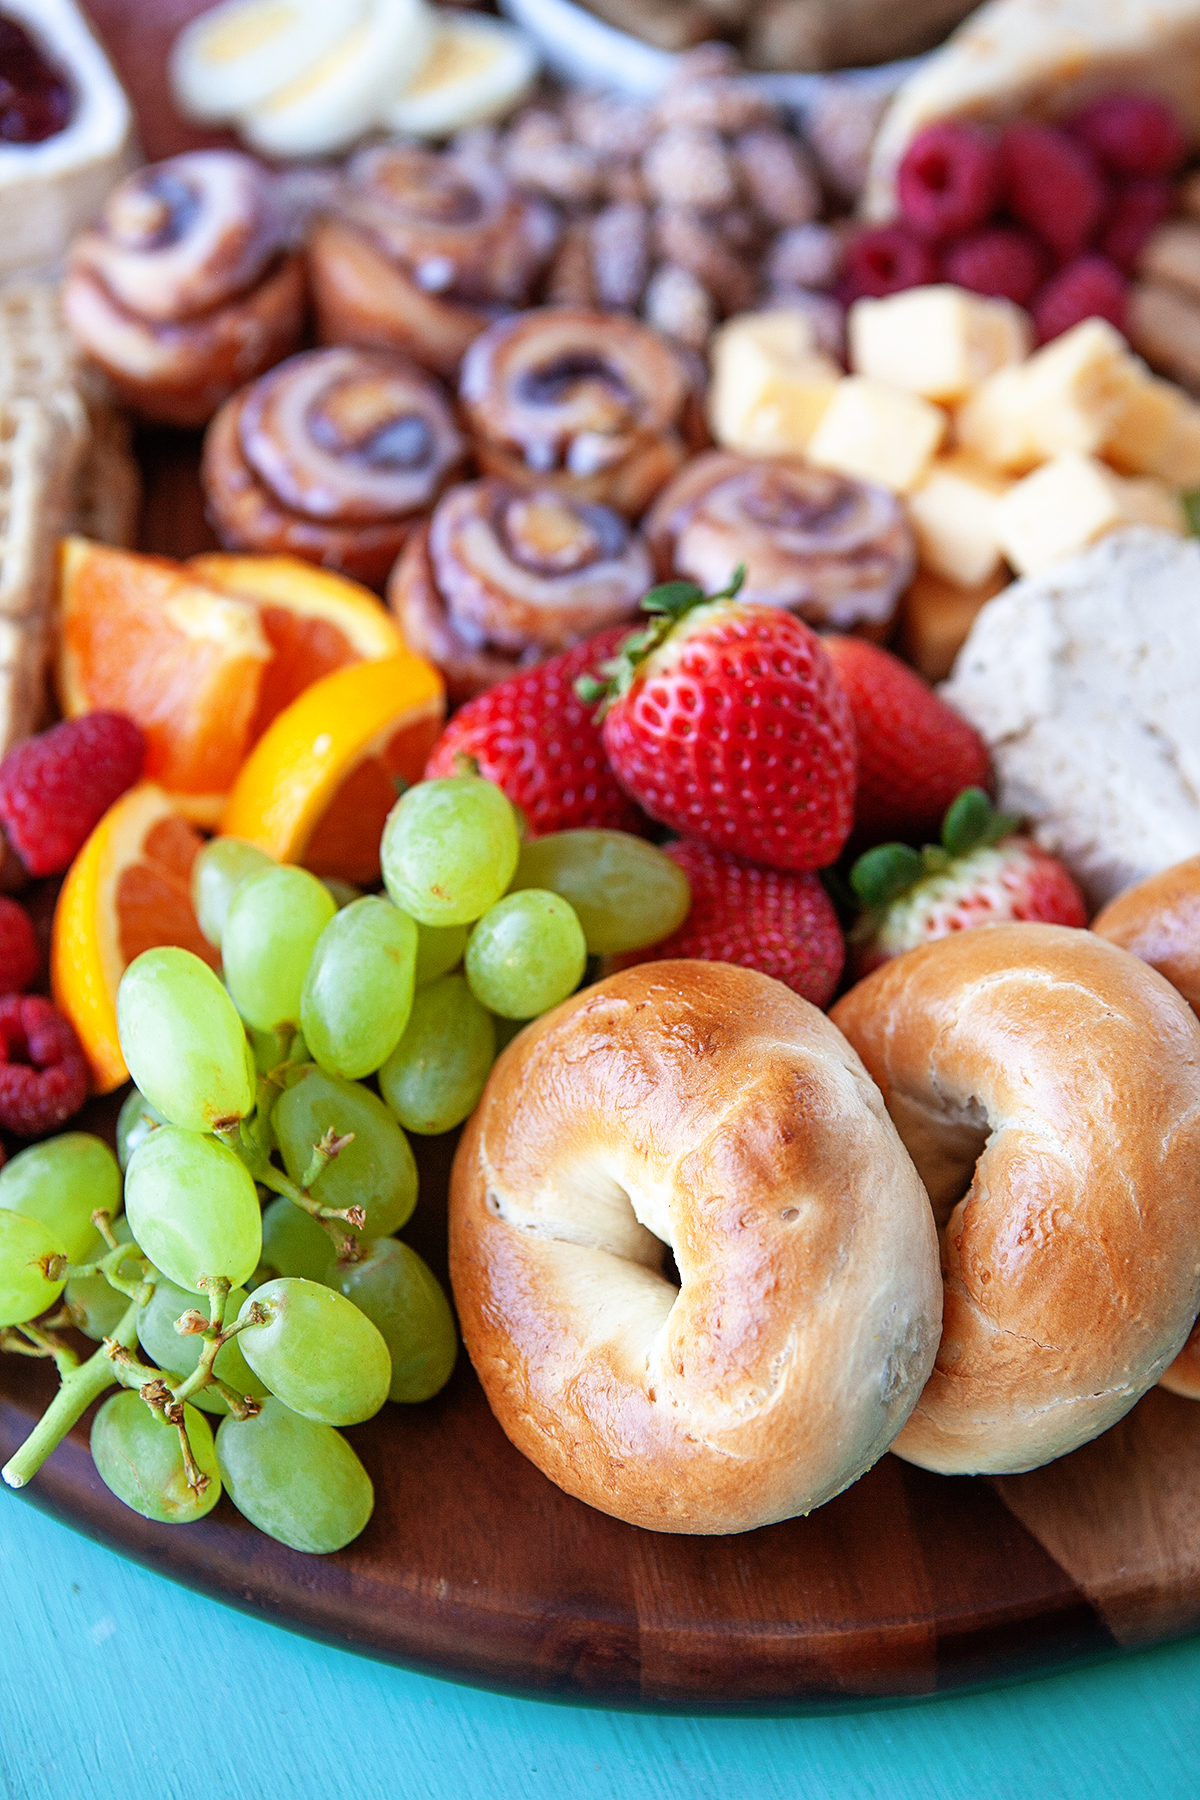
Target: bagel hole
x=945, y=1137
x=670, y=1268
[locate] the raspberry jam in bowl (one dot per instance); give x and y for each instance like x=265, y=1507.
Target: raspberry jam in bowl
x=36, y=99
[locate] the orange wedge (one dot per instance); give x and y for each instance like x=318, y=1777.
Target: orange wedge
x=142, y=636
x=320, y=782
x=127, y=891
x=315, y=622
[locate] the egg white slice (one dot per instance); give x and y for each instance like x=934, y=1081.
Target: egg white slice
x=478, y=69
x=242, y=52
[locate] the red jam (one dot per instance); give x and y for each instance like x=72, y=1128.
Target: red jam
x=36, y=101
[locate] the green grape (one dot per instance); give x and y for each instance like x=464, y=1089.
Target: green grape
x=182, y=1040
x=376, y=1171
x=269, y=1048
x=140, y=1458
x=317, y=1352
x=526, y=954
x=404, y=1299
x=96, y=1308
x=136, y=1119
x=358, y=992
x=628, y=895
x=271, y=931
x=193, y=1208
x=24, y=1290
x=179, y=1355
x=293, y=1242
x=295, y=1479
x=63, y=1181
x=449, y=849
x=436, y=1073
x=439, y=949
x=217, y=873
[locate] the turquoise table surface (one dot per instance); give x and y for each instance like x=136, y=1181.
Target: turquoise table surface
x=117, y=1685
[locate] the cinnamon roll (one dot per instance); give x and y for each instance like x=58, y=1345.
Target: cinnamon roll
x=506, y=576
x=838, y=552
x=186, y=286
x=592, y=403
x=333, y=456
x=421, y=250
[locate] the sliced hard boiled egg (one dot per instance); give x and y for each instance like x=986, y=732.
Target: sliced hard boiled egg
x=242, y=52
x=478, y=68
x=341, y=96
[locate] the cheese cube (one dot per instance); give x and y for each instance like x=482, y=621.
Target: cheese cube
x=940, y=342
x=1068, y=396
x=877, y=433
x=935, y=617
x=996, y=426
x=1144, y=428
x=770, y=385
x=1070, y=502
x=953, y=514
x=1180, y=464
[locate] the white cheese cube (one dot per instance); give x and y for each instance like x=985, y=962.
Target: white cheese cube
x=953, y=514
x=1070, y=502
x=770, y=385
x=940, y=342
x=877, y=433
x=1068, y=396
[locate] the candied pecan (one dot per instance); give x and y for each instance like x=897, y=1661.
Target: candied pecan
x=807, y=256
x=610, y=125
x=685, y=238
x=689, y=166
x=620, y=254
x=777, y=177
x=570, y=281
x=678, y=306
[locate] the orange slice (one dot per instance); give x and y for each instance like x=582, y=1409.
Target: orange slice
x=320, y=782
x=142, y=636
x=127, y=891
x=315, y=622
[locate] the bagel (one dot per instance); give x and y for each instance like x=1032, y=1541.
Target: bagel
x=1047, y=1086
x=709, y=1109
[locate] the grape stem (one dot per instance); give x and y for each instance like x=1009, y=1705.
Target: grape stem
x=246, y=1141
x=81, y=1385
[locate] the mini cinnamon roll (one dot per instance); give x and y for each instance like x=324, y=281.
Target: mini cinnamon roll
x=333, y=456
x=186, y=288
x=421, y=250
x=592, y=403
x=836, y=551
x=506, y=576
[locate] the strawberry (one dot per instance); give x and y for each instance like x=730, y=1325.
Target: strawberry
x=726, y=722
x=782, y=924
x=915, y=753
x=536, y=739
x=982, y=873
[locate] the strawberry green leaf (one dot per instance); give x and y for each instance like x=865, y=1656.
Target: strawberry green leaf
x=672, y=597
x=972, y=821
x=666, y=604
x=1191, y=511
x=880, y=875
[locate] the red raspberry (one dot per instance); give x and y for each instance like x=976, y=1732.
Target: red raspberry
x=44, y=1076
x=949, y=179
x=1052, y=185
x=20, y=958
x=885, y=259
x=1090, y=287
x=54, y=789
x=1140, y=204
x=1132, y=134
x=781, y=924
x=1001, y=261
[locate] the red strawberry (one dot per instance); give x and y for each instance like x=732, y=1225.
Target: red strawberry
x=536, y=739
x=915, y=753
x=982, y=873
x=782, y=924
x=726, y=721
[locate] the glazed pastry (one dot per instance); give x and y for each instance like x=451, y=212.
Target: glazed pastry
x=333, y=456
x=185, y=287
x=836, y=551
x=420, y=251
x=592, y=403
x=504, y=577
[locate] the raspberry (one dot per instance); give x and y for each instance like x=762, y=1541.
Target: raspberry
x=1140, y=204
x=19, y=956
x=55, y=788
x=1090, y=287
x=1131, y=134
x=949, y=179
x=1001, y=261
x=885, y=259
x=44, y=1077
x=1052, y=184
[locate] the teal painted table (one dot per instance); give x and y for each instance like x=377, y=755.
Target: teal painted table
x=117, y=1685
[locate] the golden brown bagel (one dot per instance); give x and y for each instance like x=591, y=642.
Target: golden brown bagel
x=709, y=1108
x=1047, y=1086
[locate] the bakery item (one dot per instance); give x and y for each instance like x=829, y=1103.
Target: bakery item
x=708, y=1109
x=420, y=250
x=503, y=577
x=186, y=286
x=1047, y=1086
x=1159, y=921
x=333, y=456
x=836, y=551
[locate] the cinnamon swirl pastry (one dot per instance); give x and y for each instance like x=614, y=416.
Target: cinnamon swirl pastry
x=421, y=250
x=504, y=577
x=592, y=403
x=186, y=287
x=836, y=551
x=333, y=456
